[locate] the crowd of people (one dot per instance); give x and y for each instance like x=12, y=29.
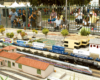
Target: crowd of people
x=19, y=19
x=86, y=20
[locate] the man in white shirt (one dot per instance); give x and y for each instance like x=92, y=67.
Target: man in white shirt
x=13, y=15
x=57, y=23
x=78, y=17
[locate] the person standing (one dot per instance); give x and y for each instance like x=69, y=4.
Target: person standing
x=33, y=19
x=39, y=19
x=24, y=19
x=13, y=15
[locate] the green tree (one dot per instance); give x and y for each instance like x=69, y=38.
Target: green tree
x=59, y=2
x=23, y=34
x=64, y=33
x=34, y=31
x=45, y=31
x=8, y=35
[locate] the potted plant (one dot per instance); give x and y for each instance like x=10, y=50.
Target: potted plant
x=45, y=31
x=64, y=33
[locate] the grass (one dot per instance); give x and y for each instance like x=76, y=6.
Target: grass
x=69, y=17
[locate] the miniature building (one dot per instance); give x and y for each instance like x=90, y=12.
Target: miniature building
x=76, y=41
x=20, y=62
x=9, y=49
x=94, y=46
x=35, y=67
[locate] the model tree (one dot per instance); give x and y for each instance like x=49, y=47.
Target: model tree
x=34, y=31
x=10, y=35
x=84, y=32
x=45, y=31
x=64, y=33
x=19, y=31
x=2, y=30
x=23, y=34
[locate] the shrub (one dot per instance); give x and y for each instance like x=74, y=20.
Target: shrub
x=1, y=26
x=8, y=35
x=35, y=31
x=19, y=31
x=84, y=32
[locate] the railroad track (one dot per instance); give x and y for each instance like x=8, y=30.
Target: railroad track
x=96, y=73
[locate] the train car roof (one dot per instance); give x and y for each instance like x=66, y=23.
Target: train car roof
x=82, y=67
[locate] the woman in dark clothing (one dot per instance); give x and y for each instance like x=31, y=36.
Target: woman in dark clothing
x=24, y=19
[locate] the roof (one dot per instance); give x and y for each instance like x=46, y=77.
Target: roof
x=33, y=63
x=0, y=50
x=8, y=55
x=94, y=41
x=9, y=48
x=1, y=60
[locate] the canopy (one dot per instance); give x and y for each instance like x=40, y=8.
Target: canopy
x=14, y=5
x=22, y=5
x=2, y=5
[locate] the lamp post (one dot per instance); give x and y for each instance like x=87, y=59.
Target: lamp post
x=66, y=10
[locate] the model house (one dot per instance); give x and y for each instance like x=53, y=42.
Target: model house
x=9, y=49
x=76, y=41
x=94, y=46
x=30, y=66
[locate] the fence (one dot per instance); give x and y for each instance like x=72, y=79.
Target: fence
x=74, y=27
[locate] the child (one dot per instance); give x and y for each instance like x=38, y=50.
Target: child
x=15, y=23
x=18, y=22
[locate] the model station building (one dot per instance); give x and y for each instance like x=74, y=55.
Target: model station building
x=18, y=61
x=76, y=41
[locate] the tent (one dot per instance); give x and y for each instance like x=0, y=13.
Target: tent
x=22, y=5
x=28, y=4
x=14, y=5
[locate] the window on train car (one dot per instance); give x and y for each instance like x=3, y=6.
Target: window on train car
x=90, y=45
x=93, y=45
x=65, y=41
x=66, y=45
x=83, y=42
x=97, y=46
x=77, y=47
x=77, y=43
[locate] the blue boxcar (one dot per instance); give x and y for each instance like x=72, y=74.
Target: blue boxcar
x=58, y=49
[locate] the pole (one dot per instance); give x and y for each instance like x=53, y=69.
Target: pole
x=66, y=10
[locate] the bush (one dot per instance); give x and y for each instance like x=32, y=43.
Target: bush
x=1, y=26
x=2, y=30
x=84, y=32
x=19, y=31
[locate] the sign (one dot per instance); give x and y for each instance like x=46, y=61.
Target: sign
x=58, y=49
x=22, y=43
x=38, y=45
x=7, y=40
